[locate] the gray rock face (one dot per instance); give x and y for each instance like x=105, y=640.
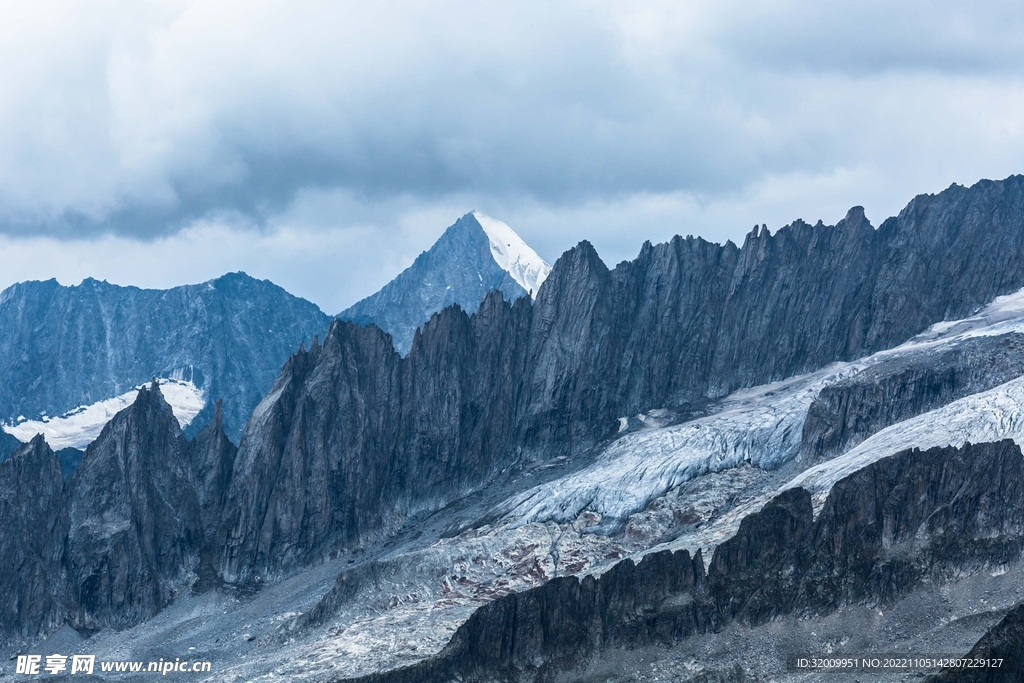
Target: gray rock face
x=458, y=269
x=129, y=531
x=849, y=411
x=910, y=518
x=354, y=438
x=30, y=546
x=133, y=519
x=62, y=347
x=212, y=457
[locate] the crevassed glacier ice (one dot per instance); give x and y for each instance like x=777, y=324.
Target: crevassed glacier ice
x=762, y=426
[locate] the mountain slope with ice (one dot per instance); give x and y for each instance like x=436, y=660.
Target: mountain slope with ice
x=513, y=255
x=474, y=256
x=762, y=426
x=653, y=406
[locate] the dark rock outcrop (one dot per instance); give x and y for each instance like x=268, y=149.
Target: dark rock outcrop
x=70, y=459
x=133, y=519
x=458, y=269
x=116, y=543
x=212, y=455
x=849, y=411
x=63, y=347
x=1004, y=641
x=885, y=530
x=30, y=543
x=372, y=437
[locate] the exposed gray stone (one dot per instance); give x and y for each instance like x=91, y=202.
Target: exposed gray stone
x=849, y=411
x=133, y=519
x=31, y=542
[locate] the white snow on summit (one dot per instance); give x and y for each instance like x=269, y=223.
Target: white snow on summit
x=513, y=255
x=79, y=427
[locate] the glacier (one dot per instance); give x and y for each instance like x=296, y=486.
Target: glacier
x=762, y=426
x=79, y=427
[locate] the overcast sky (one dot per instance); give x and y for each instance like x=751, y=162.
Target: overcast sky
x=323, y=145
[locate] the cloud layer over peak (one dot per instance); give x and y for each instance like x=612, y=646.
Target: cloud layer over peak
x=141, y=121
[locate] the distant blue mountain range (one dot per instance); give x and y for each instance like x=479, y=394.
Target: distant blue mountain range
x=62, y=348
x=71, y=357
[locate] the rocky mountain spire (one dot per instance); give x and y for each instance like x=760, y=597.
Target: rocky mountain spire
x=474, y=256
x=133, y=516
x=31, y=543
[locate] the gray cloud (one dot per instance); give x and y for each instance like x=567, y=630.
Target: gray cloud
x=613, y=121
x=147, y=122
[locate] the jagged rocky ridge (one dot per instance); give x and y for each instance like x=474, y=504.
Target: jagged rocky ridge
x=355, y=435
x=64, y=347
x=353, y=439
x=458, y=269
x=916, y=517
x=129, y=531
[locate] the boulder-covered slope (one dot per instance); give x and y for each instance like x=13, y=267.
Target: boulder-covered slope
x=474, y=256
x=356, y=434
x=65, y=347
x=1004, y=643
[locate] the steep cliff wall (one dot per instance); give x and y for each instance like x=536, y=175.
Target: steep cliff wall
x=31, y=542
x=357, y=435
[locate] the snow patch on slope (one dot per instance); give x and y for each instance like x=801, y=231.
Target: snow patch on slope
x=513, y=255
x=79, y=427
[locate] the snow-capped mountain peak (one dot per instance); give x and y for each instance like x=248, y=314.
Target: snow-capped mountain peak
x=513, y=255
x=475, y=255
